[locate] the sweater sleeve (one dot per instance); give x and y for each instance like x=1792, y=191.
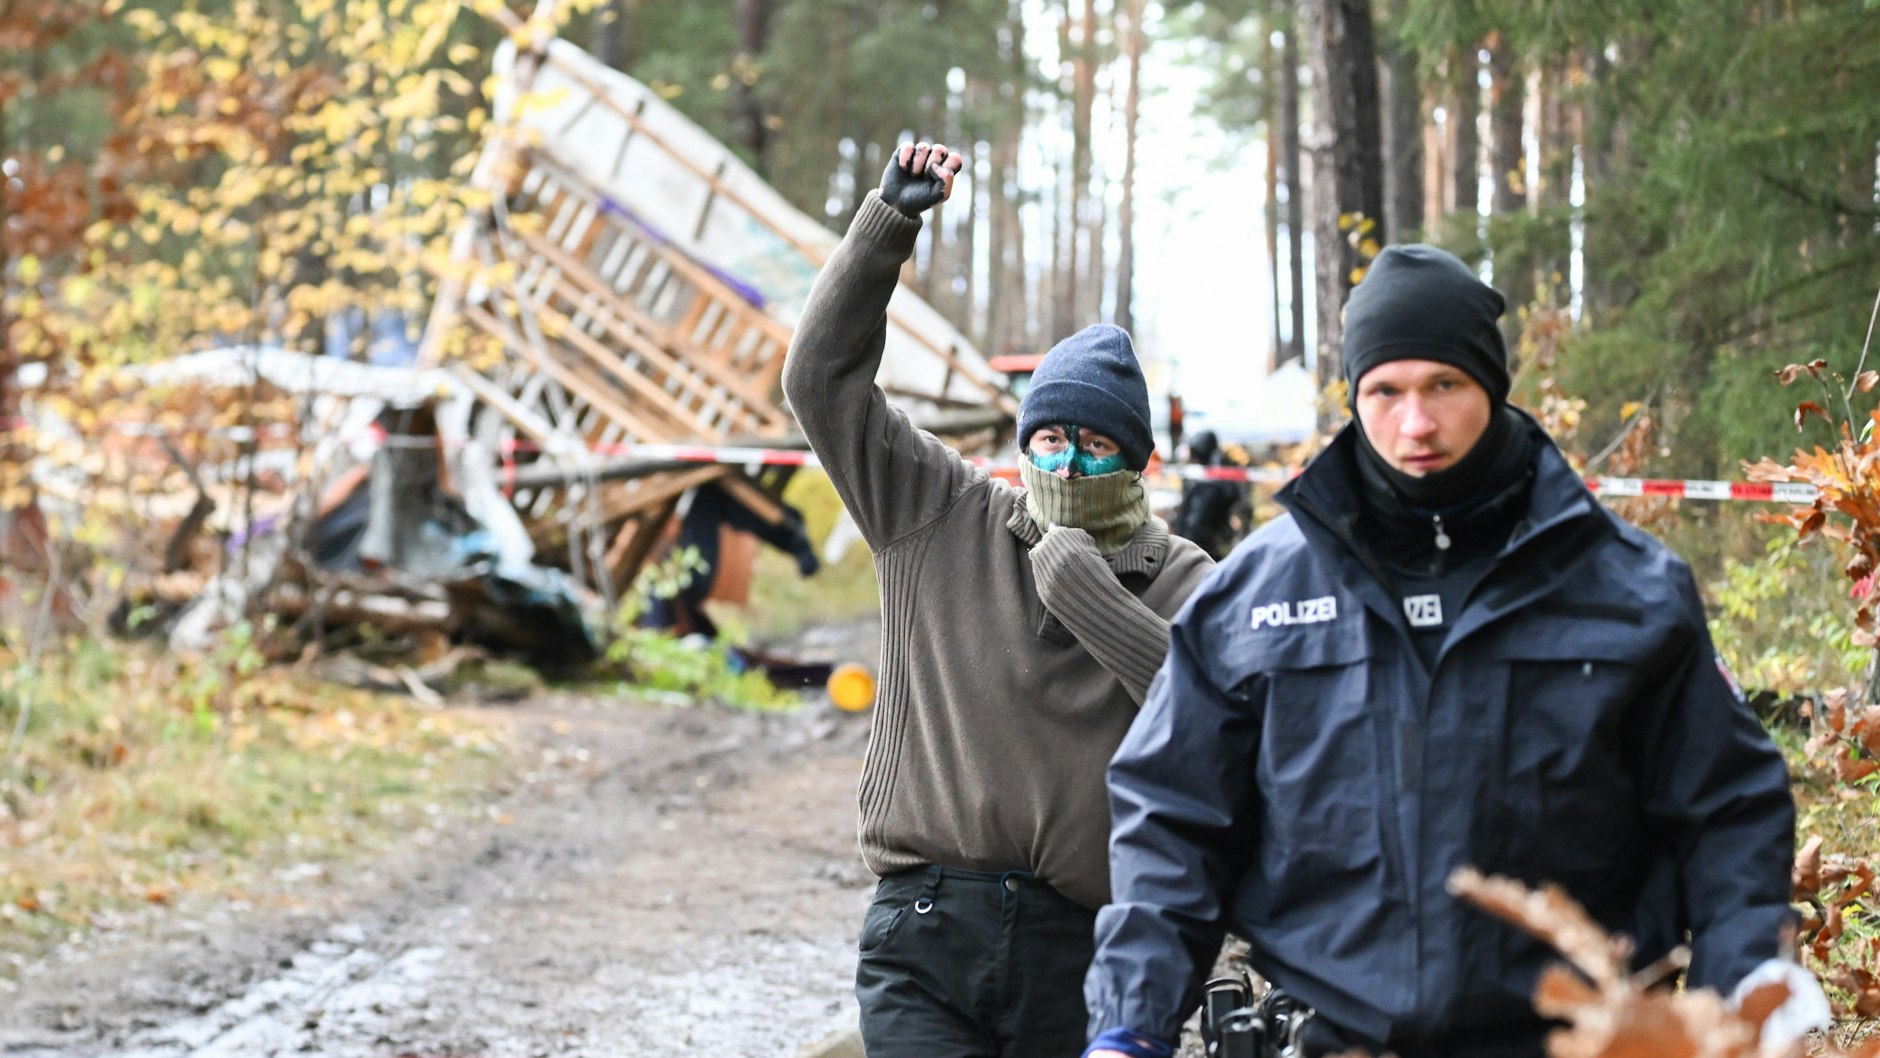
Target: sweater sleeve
x=1126, y=637
x=892, y=477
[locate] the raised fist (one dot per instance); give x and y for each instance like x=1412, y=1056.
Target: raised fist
x=919, y=177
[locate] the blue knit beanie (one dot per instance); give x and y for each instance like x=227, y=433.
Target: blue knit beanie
x=1092, y=379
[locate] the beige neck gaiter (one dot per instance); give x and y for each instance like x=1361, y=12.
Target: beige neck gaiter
x=1110, y=507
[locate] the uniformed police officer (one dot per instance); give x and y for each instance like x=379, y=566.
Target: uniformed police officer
x=1449, y=654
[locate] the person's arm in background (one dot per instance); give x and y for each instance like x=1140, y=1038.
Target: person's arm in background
x=892, y=477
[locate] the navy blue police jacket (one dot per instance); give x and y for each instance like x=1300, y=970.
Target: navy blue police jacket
x=1298, y=777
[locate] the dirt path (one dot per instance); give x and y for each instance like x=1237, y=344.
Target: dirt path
x=667, y=881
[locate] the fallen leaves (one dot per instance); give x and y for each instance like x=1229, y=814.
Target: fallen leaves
x=1609, y=1011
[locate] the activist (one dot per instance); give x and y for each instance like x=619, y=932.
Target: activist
x=1449, y=654
x=1020, y=629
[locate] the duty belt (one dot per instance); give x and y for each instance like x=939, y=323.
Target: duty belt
x=1236, y=1024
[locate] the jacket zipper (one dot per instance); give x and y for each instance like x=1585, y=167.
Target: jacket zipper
x=1442, y=547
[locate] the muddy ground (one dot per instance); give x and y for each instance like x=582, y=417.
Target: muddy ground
x=664, y=880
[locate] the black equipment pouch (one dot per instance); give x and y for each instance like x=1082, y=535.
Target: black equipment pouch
x=1230, y=1023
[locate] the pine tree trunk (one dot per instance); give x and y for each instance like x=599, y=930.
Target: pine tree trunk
x=1293, y=175
x=1514, y=272
x=1553, y=193
x=1436, y=168
x=612, y=27
x=749, y=128
x=1125, y=316
x=1465, y=152
x=1402, y=143
x=1082, y=52
x=1020, y=324
x=966, y=267
x=1347, y=162
x=1000, y=225
x=1273, y=62
x=1507, y=96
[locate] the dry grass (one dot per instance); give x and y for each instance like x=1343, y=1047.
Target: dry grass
x=143, y=779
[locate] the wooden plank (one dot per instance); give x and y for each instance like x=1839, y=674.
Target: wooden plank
x=519, y=415
x=761, y=503
x=590, y=390
x=636, y=380
x=632, y=545
x=639, y=494
x=756, y=406
x=814, y=255
x=691, y=270
x=711, y=198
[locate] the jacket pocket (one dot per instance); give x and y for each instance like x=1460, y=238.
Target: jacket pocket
x=1567, y=764
x=1318, y=732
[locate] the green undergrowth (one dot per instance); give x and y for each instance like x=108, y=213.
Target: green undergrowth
x=134, y=778
x=659, y=668
x=654, y=665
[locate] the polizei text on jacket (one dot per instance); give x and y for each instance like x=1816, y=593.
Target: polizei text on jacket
x=1302, y=612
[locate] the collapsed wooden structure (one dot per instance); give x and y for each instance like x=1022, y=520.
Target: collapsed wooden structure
x=644, y=288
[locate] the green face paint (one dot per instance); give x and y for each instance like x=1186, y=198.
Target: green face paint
x=1082, y=463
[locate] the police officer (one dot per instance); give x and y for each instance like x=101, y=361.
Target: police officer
x=1449, y=654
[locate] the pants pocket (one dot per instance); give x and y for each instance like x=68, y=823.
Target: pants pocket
x=884, y=919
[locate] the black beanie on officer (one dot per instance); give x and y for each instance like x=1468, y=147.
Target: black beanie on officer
x=1421, y=303
x=1092, y=379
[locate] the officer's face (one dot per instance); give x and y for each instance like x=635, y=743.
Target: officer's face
x=1420, y=415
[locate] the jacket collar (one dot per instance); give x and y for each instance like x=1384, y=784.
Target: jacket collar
x=1325, y=494
x=1145, y=553
x=1324, y=502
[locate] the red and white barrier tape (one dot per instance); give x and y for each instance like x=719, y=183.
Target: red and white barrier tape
x=1790, y=492
x=1690, y=489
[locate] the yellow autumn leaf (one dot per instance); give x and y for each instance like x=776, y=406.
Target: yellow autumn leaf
x=78, y=290
x=221, y=70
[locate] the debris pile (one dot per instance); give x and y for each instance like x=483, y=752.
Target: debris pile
x=631, y=284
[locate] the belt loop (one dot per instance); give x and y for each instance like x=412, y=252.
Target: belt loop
x=924, y=902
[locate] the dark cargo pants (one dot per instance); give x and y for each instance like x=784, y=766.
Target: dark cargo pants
x=973, y=964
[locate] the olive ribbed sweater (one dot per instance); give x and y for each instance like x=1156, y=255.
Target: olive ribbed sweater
x=1011, y=665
